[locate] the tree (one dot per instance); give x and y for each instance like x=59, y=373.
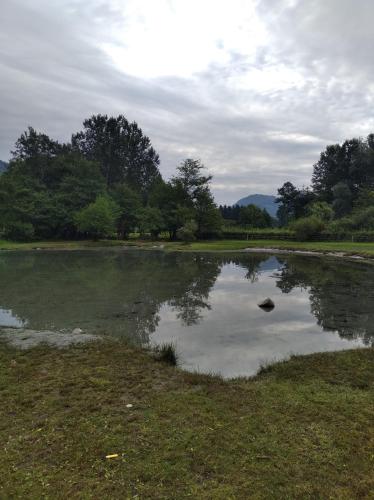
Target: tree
x=190, y=179
x=169, y=198
x=254, y=217
x=292, y=202
x=34, y=151
x=49, y=202
x=194, y=195
x=208, y=218
x=151, y=221
x=187, y=233
x=351, y=163
x=321, y=210
x=121, y=149
x=98, y=219
x=342, y=203
x=130, y=206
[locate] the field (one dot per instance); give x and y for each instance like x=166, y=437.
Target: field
x=301, y=429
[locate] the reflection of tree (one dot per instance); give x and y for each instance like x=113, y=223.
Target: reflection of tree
x=120, y=292
x=251, y=263
x=200, y=272
x=341, y=293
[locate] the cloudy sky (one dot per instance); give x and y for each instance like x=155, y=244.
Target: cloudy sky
x=254, y=88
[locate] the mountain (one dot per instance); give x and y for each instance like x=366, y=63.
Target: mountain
x=262, y=201
x=3, y=166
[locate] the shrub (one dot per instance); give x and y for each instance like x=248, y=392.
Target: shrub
x=308, y=228
x=187, y=232
x=19, y=231
x=98, y=219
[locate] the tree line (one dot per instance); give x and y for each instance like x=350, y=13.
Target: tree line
x=249, y=216
x=104, y=183
x=341, y=196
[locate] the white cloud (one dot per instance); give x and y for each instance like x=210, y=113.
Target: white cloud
x=181, y=38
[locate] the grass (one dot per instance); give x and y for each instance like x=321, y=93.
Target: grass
x=346, y=247
x=303, y=429
x=167, y=353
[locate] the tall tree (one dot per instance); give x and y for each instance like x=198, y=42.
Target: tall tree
x=351, y=163
x=292, y=202
x=124, y=153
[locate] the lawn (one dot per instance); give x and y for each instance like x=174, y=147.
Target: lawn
x=301, y=429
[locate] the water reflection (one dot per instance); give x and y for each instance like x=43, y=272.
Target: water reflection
x=206, y=303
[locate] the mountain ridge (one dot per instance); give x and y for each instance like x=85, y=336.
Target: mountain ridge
x=266, y=201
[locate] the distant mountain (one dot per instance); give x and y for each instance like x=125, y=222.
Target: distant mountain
x=3, y=166
x=261, y=201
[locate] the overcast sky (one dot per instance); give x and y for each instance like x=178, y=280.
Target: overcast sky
x=254, y=88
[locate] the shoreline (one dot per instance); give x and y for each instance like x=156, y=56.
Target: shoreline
x=229, y=246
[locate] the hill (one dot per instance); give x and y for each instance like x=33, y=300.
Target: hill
x=260, y=200
x=3, y=166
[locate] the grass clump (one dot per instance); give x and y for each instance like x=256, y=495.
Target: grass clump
x=167, y=353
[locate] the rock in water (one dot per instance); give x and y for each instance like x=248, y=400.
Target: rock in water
x=267, y=304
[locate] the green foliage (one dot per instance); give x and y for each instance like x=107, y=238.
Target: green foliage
x=292, y=203
x=351, y=163
x=19, y=231
x=187, y=233
x=151, y=221
x=53, y=190
x=253, y=217
x=342, y=203
x=48, y=200
x=129, y=203
x=321, y=210
x=208, y=218
x=308, y=228
x=122, y=151
x=98, y=219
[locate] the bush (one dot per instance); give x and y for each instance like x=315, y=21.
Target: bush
x=308, y=228
x=187, y=233
x=19, y=231
x=98, y=220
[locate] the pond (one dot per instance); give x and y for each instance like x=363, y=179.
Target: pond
x=207, y=304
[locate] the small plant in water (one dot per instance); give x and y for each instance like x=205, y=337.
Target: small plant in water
x=167, y=353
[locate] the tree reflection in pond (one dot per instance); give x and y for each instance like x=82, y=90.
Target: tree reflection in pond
x=341, y=293
x=206, y=303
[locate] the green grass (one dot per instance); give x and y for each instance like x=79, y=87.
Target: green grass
x=302, y=429
x=346, y=247
x=60, y=244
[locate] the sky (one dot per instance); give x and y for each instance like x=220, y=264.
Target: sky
x=256, y=89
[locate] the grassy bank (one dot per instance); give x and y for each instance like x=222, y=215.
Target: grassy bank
x=346, y=247
x=302, y=429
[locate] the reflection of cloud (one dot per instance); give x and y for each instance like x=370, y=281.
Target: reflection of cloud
x=256, y=90
x=7, y=318
x=235, y=336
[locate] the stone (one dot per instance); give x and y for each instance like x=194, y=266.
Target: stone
x=267, y=304
x=77, y=331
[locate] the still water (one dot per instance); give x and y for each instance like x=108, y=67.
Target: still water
x=205, y=303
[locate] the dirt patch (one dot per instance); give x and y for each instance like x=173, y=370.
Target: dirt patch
x=22, y=338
